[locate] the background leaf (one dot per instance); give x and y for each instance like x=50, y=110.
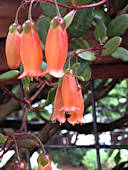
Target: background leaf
x=86, y=74
x=100, y=14
x=50, y=98
x=74, y=66
x=78, y=43
x=9, y=75
x=118, y=25
x=43, y=25
x=83, y=2
x=88, y=55
x=50, y=10
x=121, y=53
x=81, y=23
x=111, y=46
x=100, y=31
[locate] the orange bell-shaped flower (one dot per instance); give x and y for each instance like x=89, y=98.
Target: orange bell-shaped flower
x=56, y=47
x=12, y=47
x=69, y=100
x=44, y=162
x=69, y=93
x=30, y=51
x=58, y=104
x=77, y=116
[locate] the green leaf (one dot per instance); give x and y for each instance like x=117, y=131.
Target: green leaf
x=50, y=98
x=88, y=55
x=75, y=66
x=86, y=74
x=81, y=23
x=26, y=83
x=9, y=75
x=43, y=25
x=50, y=10
x=121, y=53
x=69, y=18
x=83, y=2
x=100, y=14
x=45, y=114
x=100, y=31
x=79, y=43
x=111, y=46
x=78, y=2
x=15, y=89
x=2, y=138
x=84, y=71
x=118, y=25
x=27, y=143
x=119, y=4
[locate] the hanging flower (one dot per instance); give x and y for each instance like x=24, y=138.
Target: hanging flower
x=77, y=117
x=19, y=165
x=12, y=47
x=58, y=104
x=30, y=51
x=44, y=162
x=69, y=100
x=56, y=48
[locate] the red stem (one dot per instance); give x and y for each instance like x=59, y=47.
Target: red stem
x=14, y=96
x=5, y=151
x=89, y=49
x=77, y=7
x=31, y=135
x=37, y=92
x=24, y=120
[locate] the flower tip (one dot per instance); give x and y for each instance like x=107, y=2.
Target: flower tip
x=82, y=121
x=70, y=109
x=30, y=74
x=44, y=73
x=57, y=74
x=61, y=119
x=54, y=73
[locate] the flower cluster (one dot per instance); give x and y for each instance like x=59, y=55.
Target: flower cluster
x=23, y=46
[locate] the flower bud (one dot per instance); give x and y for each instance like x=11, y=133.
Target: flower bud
x=30, y=51
x=19, y=165
x=56, y=48
x=12, y=47
x=44, y=162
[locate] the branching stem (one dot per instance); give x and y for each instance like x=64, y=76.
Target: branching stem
x=14, y=96
x=77, y=7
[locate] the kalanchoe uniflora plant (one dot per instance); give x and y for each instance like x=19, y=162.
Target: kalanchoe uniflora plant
x=19, y=165
x=44, y=162
x=56, y=47
x=12, y=48
x=30, y=50
x=68, y=99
